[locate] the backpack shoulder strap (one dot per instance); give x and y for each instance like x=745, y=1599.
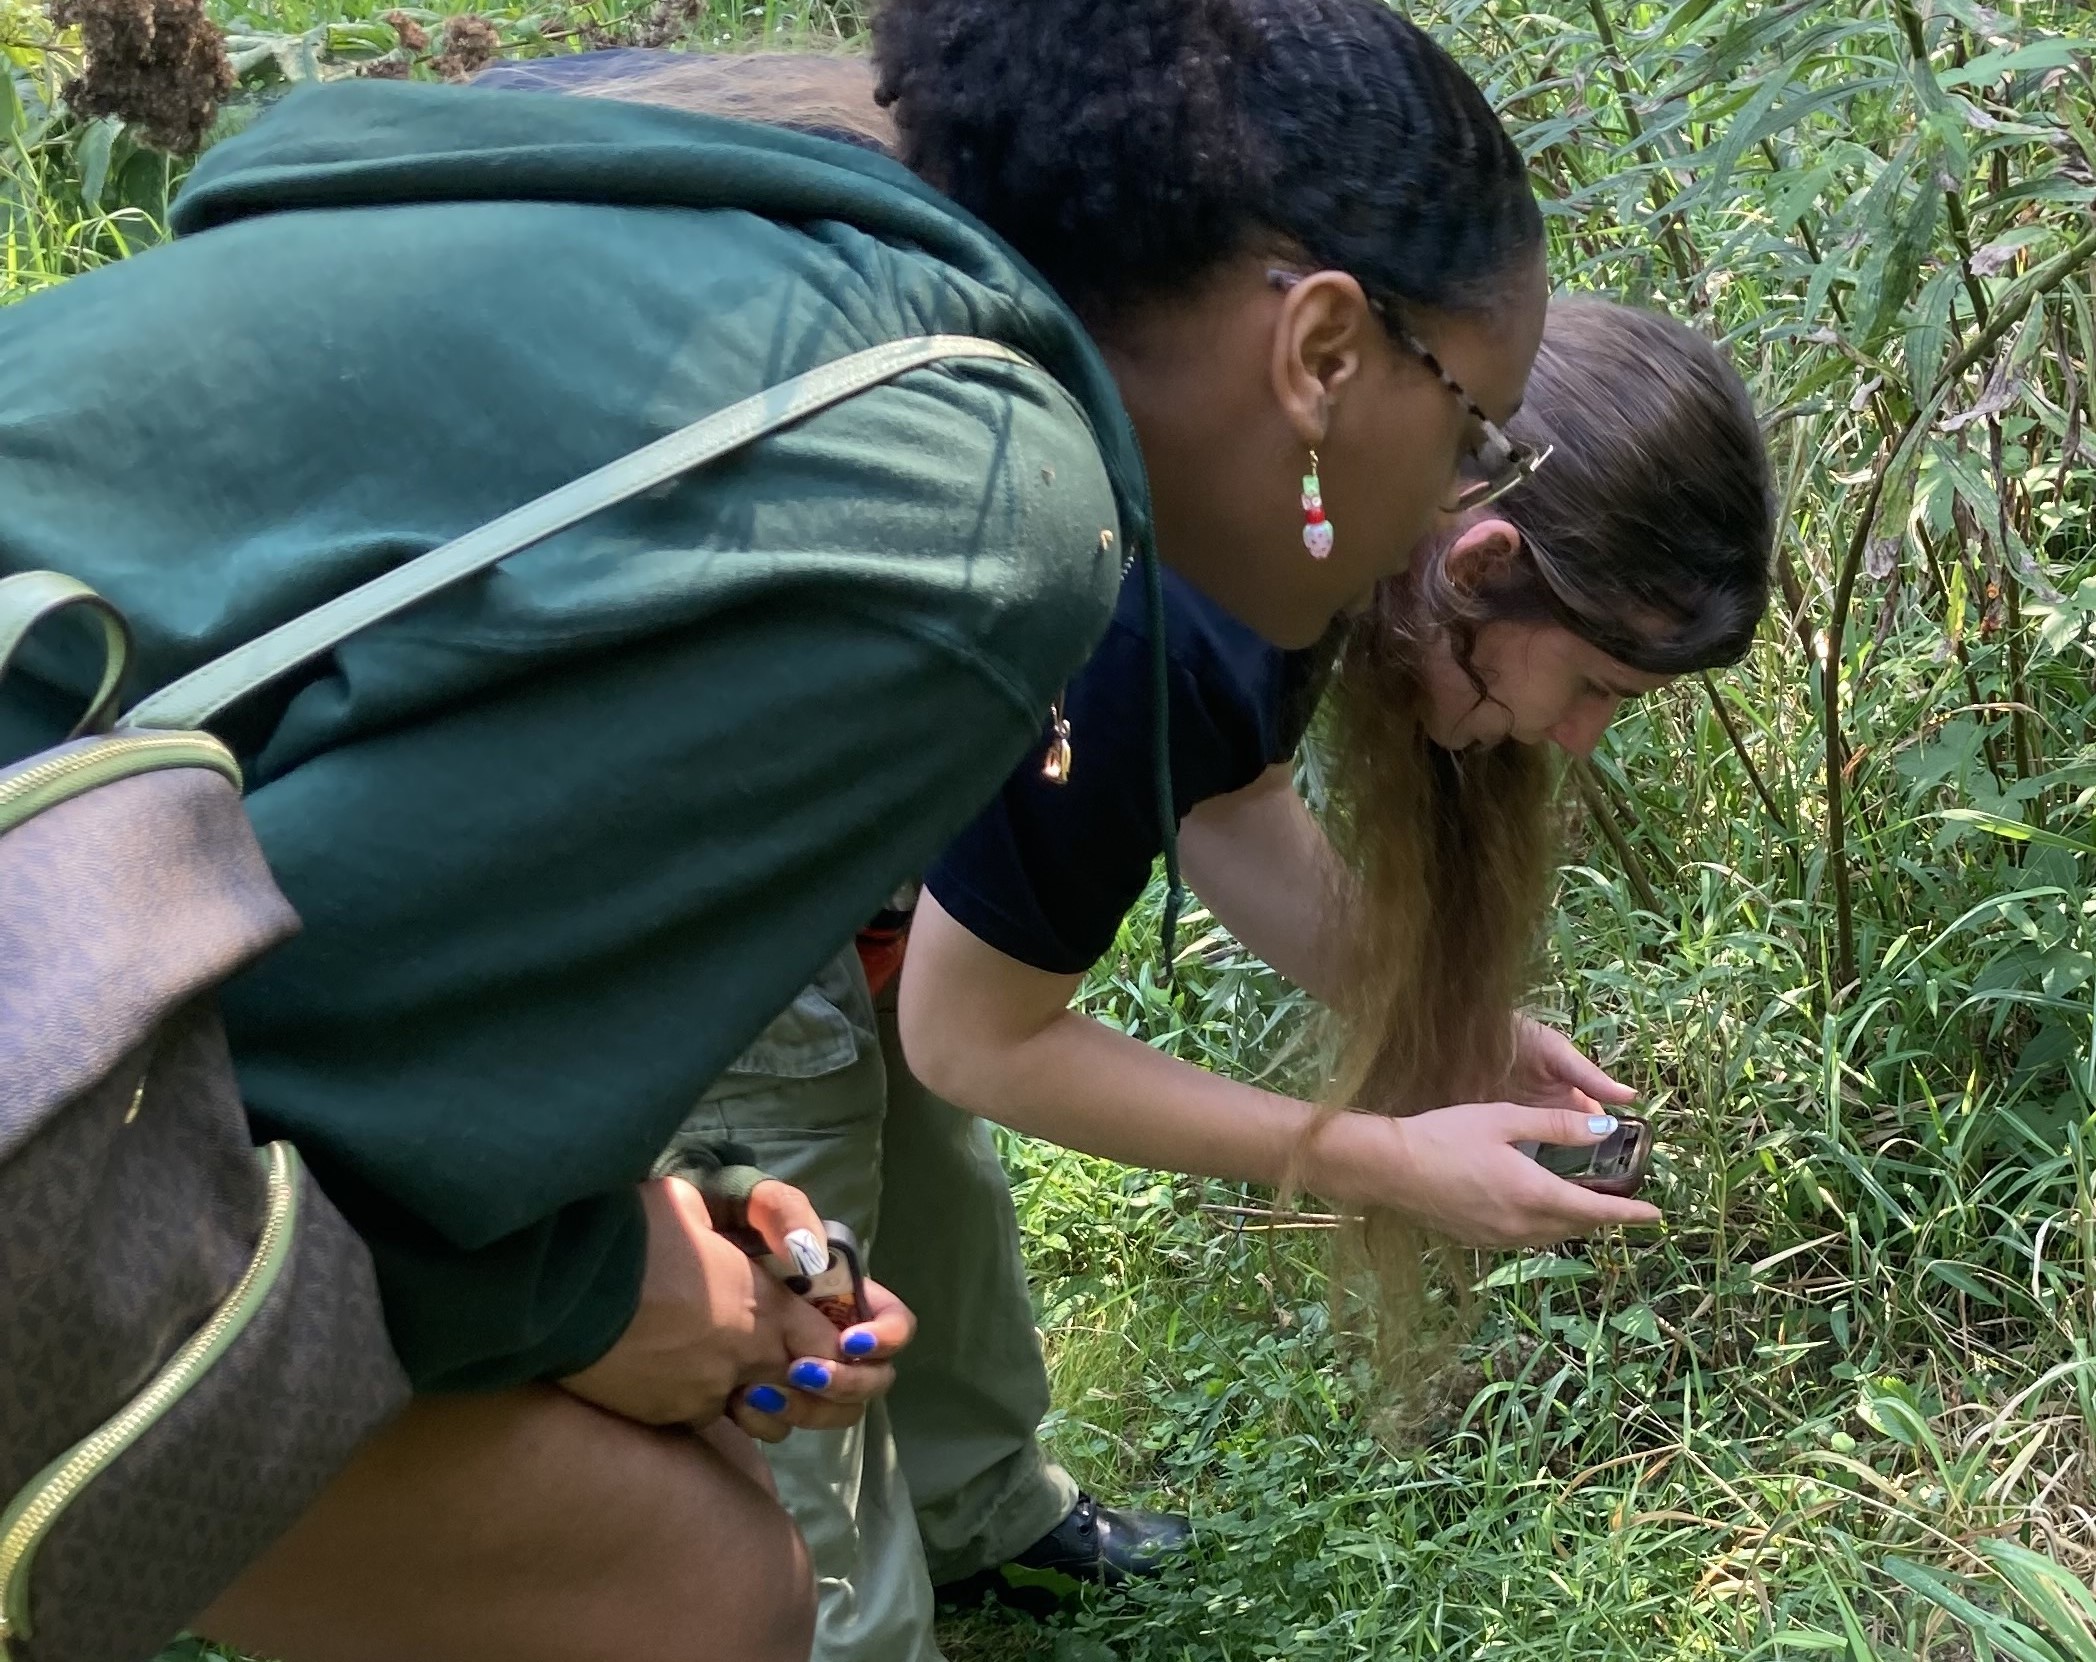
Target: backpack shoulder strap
x=29, y=597
x=198, y=696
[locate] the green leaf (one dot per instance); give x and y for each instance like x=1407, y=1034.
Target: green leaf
x=92, y=158
x=1883, y=287
x=1637, y=1322
x=1950, y=755
x=1964, y=1282
x=1540, y=1266
x=2068, y=621
x=1984, y=1625
x=2015, y=830
x=14, y=114
x=1860, y=1649
x=2053, y=1592
x=1745, y=129
x=1888, y=1407
x=1991, y=66
x=1928, y=327
x=1799, y=191
x=1956, y=603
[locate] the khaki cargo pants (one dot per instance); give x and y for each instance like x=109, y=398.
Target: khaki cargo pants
x=945, y=1478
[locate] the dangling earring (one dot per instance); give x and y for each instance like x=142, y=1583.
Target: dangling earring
x=1317, y=530
x=1055, y=766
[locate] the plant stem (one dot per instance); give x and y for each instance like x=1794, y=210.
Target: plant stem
x=1678, y=251
x=1595, y=798
x=1739, y=749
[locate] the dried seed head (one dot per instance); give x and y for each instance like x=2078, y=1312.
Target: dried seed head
x=470, y=45
x=157, y=65
x=413, y=37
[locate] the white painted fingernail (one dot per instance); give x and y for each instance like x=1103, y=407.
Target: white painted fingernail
x=1600, y=1125
x=812, y=1257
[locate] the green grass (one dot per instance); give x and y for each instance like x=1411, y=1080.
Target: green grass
x=1843, y=1403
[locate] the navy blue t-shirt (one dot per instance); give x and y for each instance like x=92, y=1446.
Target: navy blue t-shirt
x=568, y=71
x=1046, y=872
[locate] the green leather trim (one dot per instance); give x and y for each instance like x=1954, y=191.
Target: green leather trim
x=48, y=779
x=35, y=1511
x=29, y=597
x=198, y=696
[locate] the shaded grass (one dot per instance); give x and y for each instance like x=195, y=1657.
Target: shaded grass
x=1807, y=1415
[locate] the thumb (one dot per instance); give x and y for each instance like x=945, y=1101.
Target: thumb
x=790, y=1225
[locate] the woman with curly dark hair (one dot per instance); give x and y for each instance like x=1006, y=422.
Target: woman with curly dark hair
x=566, y=837
x=1638, y=552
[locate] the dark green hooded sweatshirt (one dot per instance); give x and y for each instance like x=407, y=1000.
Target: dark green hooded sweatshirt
x=565, y=838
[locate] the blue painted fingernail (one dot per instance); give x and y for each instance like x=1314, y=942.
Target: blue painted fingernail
x=766, y=1399
x=1601, y=1124
x=809, y=1376
x=858, y=1342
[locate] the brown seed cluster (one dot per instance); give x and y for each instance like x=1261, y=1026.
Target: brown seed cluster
x=662, y=24
x=470, y=45
x=157, y=65
x=413, y=37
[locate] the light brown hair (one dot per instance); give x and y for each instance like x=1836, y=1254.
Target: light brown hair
x=1648, y=534
x=825, y=93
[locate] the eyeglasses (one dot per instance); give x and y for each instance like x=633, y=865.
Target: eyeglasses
x=1490, y=468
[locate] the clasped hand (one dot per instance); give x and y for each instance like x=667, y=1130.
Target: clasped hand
x=716, y=1333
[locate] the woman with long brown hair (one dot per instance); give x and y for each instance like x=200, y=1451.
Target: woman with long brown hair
x=1638, y=552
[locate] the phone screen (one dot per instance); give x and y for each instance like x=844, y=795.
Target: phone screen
x=1613, y=1156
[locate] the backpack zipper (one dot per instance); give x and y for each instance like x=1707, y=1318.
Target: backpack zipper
x=36, y=1510
x=28, y=793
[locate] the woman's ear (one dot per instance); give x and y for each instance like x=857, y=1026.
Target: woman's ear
x=1320, y=335
x=1481, y=553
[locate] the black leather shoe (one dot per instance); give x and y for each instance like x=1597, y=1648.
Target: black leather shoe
x=1100, y=1545
x=1108, y=1545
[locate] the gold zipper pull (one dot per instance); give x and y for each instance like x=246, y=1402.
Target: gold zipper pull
x=1055, y=766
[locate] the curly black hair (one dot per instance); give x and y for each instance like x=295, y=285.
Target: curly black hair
x=1127, y=147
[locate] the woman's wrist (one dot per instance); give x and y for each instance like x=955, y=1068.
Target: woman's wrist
x=1358, y=1159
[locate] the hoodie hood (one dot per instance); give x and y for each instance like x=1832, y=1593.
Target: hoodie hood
x=365, y=143
x=374, y=143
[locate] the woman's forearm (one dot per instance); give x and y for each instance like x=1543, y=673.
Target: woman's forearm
x=1457, y=1171
x=1079, y=1083
x=1265, y=868
x=998, y=1038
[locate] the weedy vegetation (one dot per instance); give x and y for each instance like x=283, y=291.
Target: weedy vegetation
x=1830, y=912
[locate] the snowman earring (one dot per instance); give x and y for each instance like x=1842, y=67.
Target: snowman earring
x=1317, y=530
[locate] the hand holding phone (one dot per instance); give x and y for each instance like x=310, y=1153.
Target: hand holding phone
x=830, y=1275
x=1617, y=1165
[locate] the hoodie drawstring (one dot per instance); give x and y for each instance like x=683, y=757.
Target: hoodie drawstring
x=1161, y=772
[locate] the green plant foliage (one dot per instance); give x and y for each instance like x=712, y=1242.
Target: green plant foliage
x=1842, y=938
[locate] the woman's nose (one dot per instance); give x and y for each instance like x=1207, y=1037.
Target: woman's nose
x=1581, y=730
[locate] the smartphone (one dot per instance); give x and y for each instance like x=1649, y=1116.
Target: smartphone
x=1614, y=1166
x=839, y=1292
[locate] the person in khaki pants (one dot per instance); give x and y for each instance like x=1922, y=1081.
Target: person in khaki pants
x=945, y=1479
